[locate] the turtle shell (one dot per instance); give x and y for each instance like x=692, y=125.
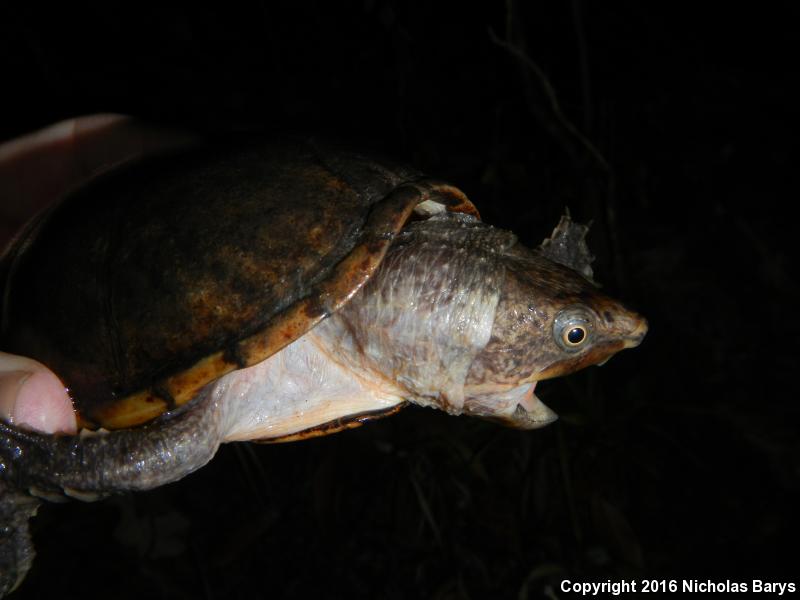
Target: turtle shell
x=153, y=281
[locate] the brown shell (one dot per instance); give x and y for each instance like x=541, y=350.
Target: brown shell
x=150, y=283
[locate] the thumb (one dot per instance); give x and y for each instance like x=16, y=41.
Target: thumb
x=32, y=397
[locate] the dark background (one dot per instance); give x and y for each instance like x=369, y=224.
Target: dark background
x=675, y=134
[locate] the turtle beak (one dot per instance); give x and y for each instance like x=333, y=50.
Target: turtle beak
x=638, y=331
x=530, y=413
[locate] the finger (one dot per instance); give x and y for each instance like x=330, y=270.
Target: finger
x=32, y=397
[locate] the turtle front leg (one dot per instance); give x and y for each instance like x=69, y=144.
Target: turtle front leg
x=16, y=549
x=88, y=467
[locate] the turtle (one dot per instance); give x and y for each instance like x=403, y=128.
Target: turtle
x=274, y=291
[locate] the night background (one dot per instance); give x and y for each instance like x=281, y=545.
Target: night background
x=673, y=130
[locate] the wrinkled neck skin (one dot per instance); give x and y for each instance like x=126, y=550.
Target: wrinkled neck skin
x=428, y=313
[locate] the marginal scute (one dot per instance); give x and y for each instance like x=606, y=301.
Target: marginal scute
x=342, y=424
x=46, y=495
x=132, y=410
x=81, y=495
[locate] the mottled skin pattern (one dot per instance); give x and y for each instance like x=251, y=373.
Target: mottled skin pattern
x=535, y=290
x=206, y=253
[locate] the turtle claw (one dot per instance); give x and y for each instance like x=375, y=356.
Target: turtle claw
x=16, y=549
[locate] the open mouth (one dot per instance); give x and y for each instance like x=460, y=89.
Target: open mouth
x=535, y=413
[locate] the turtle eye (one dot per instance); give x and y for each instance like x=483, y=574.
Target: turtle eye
x=575, y=336
x=572, y=329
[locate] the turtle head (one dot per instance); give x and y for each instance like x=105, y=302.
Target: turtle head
x=550, y=321
x=463, y=318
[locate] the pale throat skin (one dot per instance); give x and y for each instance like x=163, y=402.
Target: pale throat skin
x=459, y=317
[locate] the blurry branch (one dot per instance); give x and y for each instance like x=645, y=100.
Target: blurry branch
x=426, y=509
x=552, y=117
x=569, y=492
x=543, y=103
x=583, y=63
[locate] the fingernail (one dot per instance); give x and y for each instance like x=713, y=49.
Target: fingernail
x=10, y=384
